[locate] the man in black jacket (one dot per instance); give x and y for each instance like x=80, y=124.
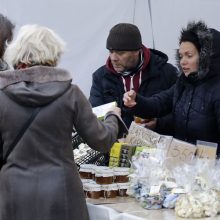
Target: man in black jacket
x=130, y=65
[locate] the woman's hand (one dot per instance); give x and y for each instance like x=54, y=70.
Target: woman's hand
x=129, y=98
x=116, y=110
x=151, y=124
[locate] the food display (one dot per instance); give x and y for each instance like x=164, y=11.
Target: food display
x=104, y=176
x=104, y=181
x=198, y=205
x=121, y=174
x=159, y=172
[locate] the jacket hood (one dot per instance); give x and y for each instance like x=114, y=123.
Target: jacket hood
x=35, y=86
x=209, y=54
x=159, y=57
x=215, y=57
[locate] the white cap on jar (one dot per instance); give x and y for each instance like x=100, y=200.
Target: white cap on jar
x=104, y=173
x=91, y=187
x=121, y=171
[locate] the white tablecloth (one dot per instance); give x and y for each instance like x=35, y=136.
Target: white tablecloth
x=129, y=209
x=102, y=212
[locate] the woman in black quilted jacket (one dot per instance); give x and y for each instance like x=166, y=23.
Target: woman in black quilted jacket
x=194, y=100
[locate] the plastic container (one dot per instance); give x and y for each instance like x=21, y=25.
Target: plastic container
x=121, y=174
x=85, y=171
x=122, y=189
x=92, y=190
x=109, y=190
x=104, y=176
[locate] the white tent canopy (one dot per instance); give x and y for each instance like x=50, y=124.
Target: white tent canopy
x=84, y=25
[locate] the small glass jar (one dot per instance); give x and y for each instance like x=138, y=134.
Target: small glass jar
x=109, y=190
x=104, y=176
x=122, y=189
x=85, y=171
x=121, y=174
x=92, y=190
x=85, y=181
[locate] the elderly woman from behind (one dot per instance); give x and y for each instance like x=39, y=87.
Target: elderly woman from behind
x=39, y=179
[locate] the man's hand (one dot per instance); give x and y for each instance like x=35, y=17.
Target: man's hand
x=129, y=98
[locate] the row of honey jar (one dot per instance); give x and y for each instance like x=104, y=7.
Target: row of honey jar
x=104, y=175
x=95, y=191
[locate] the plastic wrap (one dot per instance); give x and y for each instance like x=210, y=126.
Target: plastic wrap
x=200, y=180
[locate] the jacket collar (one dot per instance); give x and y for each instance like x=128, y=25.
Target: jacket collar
x=40, y=74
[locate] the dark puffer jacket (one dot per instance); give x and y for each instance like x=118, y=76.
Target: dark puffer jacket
x=194, y=102
x=157, y=76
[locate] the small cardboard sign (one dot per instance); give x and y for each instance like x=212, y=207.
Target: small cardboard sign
x=206, y=149
x=142, y=136
x=181, y=151
x=164, y=142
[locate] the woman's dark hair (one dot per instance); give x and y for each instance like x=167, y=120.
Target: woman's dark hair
x=6, y=33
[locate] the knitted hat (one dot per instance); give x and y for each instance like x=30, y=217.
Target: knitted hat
x=124, y=37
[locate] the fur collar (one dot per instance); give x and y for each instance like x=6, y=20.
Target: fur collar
x=205, y=38
x=40, y=74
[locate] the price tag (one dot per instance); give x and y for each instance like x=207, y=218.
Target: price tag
x=206, y=149
x=142, y=136
x=154, y=190
x=164, y=142
x=178, y=191
x=181, y=151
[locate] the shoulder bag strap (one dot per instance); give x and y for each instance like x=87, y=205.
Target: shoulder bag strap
x=20, y=134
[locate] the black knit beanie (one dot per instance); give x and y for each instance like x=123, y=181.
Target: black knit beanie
x=124, y=37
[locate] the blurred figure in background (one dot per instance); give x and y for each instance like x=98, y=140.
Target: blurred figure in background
x=6, y=35
x=39, y=179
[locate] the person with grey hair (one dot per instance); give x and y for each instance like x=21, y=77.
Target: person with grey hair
x=6, y=35
x=39, y=107
x=194, y=100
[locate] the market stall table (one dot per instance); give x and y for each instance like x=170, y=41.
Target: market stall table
x=128, y=209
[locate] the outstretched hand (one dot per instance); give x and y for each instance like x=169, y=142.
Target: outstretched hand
x=129, y=98
x=116, y=110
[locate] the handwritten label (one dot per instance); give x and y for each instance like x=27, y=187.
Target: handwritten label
x=181, y=151
x=142, y=136
x=164, y=142
x=206, y=150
